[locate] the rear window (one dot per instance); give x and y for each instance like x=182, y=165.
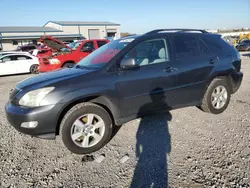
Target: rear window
x=186, y=46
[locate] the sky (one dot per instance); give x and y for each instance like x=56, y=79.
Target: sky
x=137, y=16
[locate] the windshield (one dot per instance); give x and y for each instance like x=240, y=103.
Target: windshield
x=74, y=45
x=104, y=54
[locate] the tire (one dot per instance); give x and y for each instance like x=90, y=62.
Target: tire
x=68, y=65
x=34, y=69
x=208, y=100
x=77, y=113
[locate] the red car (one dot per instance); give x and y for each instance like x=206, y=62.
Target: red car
x=67, y=55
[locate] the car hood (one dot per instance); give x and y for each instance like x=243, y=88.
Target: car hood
x=53, y=43
x=50, y=78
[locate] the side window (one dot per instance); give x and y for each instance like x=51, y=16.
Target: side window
x=213, y=45
x=204, y=48
x=186, y=46
x=101, y=43
x=22, y=57
x=7, y=58
x=89, y=45
x=149, y=52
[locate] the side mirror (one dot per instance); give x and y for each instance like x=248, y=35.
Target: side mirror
x=84, y=49
x=128, y=63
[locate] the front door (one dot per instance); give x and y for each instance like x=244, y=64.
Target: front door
x=89, y=46
x=151, y=86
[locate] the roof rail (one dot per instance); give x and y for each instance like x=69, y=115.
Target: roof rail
x=178, y=30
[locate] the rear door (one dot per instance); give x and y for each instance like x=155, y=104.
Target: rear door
x=193, y=67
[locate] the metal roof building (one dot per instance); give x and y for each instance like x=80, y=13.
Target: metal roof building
x=10, y=37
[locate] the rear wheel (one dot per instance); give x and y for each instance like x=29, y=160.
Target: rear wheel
x=34, y=69
x=86, y=128
x=68, y=65
x=217, y=96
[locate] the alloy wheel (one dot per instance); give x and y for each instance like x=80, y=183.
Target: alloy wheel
x=87, y=130
x=219, y=97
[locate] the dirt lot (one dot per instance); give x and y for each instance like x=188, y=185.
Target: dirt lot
x=191, y=149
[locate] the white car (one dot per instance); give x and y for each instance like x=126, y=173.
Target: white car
x=18, y=63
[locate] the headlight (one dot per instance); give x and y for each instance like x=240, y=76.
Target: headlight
x=33, y=98
x=54, y=61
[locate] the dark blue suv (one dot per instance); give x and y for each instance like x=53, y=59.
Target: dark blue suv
x=125, y=79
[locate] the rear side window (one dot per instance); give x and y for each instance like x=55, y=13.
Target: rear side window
x=21, y=57
x=101, y=43
x=212, y=43
x=186, y=46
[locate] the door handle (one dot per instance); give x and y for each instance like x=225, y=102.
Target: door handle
x=213, y=60
x=170, y=69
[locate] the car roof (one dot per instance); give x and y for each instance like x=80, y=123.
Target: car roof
x=14, y=52
x=169, y=32
x=6, y=55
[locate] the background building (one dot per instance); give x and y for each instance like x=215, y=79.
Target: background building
x=11, y=37
x=90, y=30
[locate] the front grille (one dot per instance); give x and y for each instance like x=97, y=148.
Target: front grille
x=13, y=93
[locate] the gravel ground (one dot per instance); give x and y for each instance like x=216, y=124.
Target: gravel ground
x=187, y=148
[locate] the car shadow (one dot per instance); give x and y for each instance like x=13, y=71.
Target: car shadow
x=153, y=143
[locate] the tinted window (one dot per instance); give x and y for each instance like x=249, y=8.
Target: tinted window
x=101, y=43
x=19, y=57
x=213, y=43
x=89, y=45
x=204, y=48
x=149, y=52
x=185, y=46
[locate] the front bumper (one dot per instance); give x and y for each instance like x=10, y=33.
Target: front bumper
x=48, y=67
x=46, y=116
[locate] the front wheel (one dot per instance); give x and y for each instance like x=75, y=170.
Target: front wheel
x=217, y=96
x=86, y=128
x=68, y=65
x=34, y=69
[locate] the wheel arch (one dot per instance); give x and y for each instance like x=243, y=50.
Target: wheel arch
x=68, y=61
x=228, y=76
x=97, y=99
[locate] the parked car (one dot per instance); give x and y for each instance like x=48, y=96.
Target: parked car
x=26, y=48
x=244, y=45
x=18, y=63
x=126, y=79
x=67, y=56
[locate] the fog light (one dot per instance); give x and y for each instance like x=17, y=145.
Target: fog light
x=29, y=125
